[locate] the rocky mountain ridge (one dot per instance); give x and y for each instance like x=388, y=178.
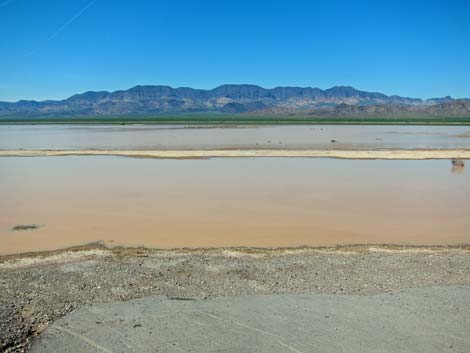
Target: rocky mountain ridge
x=141, y=100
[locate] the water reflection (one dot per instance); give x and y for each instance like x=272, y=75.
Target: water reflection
x=457, y=170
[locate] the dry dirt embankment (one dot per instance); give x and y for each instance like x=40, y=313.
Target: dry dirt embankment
x=37, y=289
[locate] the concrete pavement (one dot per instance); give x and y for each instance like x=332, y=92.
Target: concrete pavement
x=433, y=319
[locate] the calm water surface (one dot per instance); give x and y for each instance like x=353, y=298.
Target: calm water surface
x=229, y=202
x=148, y=137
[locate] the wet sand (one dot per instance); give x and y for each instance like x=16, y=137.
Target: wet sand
x=220, y=202
x=345, y=154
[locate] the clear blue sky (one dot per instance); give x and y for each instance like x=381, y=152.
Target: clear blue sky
x=51, y=49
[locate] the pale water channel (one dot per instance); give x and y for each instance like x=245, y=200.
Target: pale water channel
x=148, y=137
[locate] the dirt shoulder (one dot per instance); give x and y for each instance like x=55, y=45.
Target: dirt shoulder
x=37, y=289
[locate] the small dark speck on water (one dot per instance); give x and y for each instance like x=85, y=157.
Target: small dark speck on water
x=25, y=227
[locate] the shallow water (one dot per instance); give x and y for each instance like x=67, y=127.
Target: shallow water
x=230, y=202
x=148, y=137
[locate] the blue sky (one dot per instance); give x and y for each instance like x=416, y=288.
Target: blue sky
x=51, y=49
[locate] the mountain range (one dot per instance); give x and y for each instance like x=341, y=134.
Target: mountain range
x=236, y=99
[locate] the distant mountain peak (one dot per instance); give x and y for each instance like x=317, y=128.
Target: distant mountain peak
x=235, y=98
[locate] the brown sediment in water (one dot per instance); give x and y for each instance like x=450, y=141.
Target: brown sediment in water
x=230, y=202
x=183, y=154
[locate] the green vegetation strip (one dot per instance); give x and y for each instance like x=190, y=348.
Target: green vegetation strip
x=219, y=119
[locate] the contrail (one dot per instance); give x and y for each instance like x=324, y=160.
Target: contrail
x=60, y=29
x=70, y=21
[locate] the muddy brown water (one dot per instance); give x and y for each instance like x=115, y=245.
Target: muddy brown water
x=265, y=202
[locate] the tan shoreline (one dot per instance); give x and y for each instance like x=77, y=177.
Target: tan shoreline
x=345, y=154
x=98, y=249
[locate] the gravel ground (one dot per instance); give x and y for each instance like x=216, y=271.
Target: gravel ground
x=37, y=289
